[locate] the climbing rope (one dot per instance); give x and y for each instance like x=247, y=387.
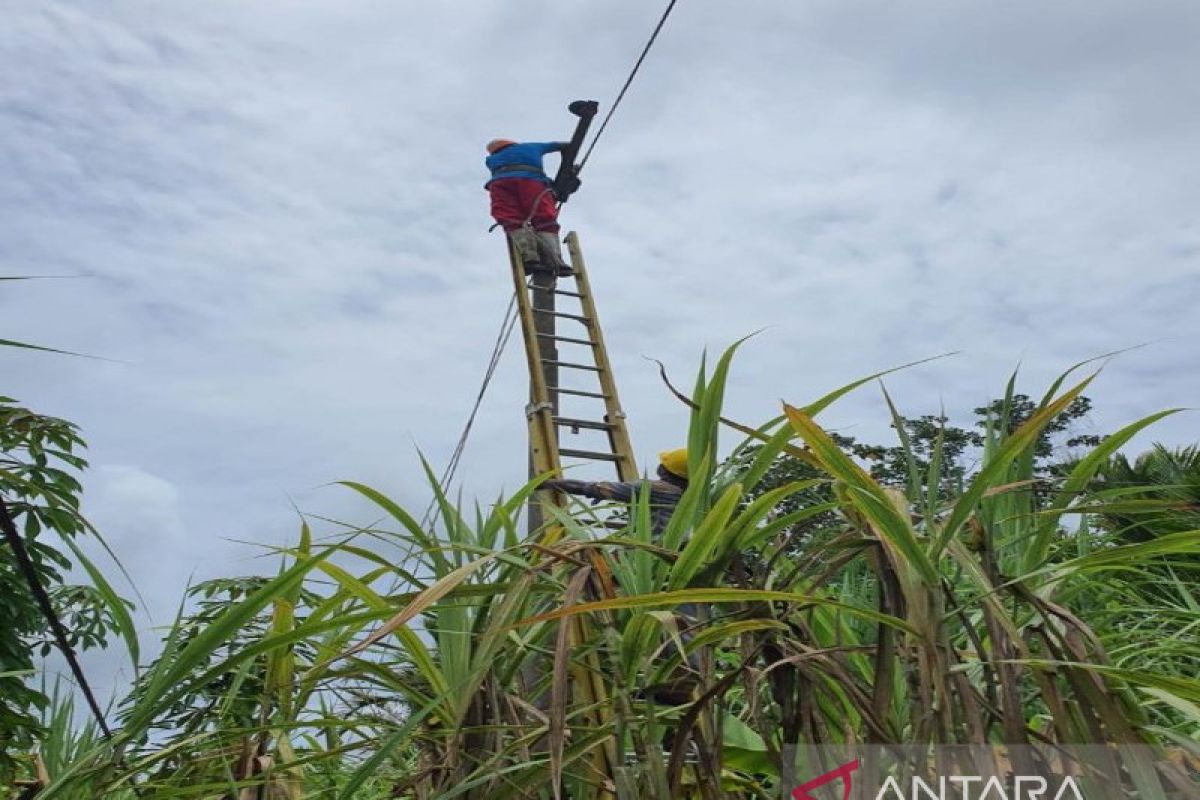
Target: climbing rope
x=637, y=65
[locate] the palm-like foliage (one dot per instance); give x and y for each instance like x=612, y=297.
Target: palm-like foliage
x=1160, y=475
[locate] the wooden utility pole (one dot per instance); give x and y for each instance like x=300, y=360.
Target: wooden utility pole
x=542, y=296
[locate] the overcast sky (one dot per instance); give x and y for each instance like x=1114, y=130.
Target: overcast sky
x=275, y=216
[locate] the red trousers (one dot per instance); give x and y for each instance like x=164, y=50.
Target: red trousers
x=514, y=198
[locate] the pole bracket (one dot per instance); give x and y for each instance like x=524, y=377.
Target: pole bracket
x=534, y=408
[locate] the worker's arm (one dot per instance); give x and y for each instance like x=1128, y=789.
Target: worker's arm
x=551, y=147
x=567, y=487
x=597, y=490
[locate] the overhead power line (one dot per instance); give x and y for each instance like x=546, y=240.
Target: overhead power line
x=621, y=95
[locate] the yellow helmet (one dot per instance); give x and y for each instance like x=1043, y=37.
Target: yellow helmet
x=675, y=461
x=498, y=144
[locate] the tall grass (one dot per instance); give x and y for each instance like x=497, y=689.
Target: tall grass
x=990, y=614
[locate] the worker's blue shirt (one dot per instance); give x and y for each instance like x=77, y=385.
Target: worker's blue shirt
x=523, y=154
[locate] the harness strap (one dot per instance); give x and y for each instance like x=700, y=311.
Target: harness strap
x=518, y=168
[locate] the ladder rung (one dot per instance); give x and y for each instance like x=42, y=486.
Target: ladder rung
x=584, y=423
x=582, y=319
x=589, y=454
x=553, y=363
x=566, y=339
x=577, y=392
x=566, y=292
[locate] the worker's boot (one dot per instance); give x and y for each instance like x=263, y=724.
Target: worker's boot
x=551, y=253
x=527, y=245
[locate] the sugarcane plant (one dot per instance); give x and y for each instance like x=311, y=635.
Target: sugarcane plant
x=439, y=661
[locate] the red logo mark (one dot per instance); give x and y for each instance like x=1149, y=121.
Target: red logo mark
x=842, y=772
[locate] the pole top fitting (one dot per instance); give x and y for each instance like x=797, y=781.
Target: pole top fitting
x=584, y=108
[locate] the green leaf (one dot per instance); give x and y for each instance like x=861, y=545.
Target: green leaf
x=1078, y=480
x=716, y=595
x=710, y=536
x=867, y=495
x=113, y=602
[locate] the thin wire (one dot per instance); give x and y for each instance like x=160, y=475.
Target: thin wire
x=429, y=518
x=662, y=21
x=506, y=329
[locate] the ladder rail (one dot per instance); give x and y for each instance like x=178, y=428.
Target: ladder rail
x=540, y=413
x=619, y=434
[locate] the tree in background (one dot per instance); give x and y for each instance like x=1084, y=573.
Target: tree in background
x=934, y=446
x=957, y=450
x=39, y=458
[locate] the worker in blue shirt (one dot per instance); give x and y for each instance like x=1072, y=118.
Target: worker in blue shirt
x=523, y=202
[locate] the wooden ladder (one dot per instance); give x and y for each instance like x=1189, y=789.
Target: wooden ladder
x=573, y=364
x=585, y=355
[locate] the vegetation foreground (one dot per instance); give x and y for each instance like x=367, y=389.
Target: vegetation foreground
x=912, y=600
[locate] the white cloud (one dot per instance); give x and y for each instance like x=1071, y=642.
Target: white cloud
x=139, y=515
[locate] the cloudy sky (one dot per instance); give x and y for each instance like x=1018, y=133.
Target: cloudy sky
x=273, y=218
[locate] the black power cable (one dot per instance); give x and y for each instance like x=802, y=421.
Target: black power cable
x=620, y=95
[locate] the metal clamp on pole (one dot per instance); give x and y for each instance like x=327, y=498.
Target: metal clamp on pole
x=567, y=182
x=533, y=408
